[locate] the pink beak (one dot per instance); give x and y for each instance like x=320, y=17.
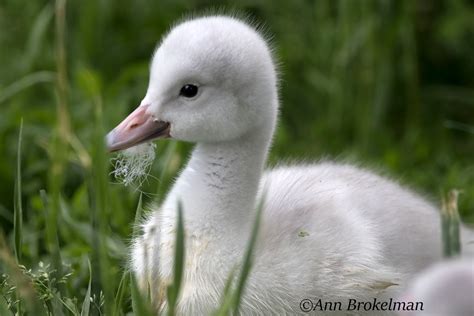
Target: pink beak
x=137, y=128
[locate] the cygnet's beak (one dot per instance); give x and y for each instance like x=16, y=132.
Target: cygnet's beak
x=137, y=128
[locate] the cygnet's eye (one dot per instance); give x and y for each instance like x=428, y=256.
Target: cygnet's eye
x=188, y=91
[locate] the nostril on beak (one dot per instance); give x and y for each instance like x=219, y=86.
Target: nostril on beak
x=134, y=124
x=137, y=119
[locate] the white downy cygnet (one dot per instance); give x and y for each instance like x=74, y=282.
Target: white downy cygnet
x=328, y=230
x=445, y=289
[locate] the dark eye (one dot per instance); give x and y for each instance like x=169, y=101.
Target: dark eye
x=188, y=91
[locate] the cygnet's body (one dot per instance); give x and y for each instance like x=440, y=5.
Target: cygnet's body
x=328, y=231
x=446, y=289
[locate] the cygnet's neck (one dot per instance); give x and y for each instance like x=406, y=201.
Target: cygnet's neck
x=218, y=188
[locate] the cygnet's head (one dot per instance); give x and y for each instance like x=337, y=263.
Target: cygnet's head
x=212, y=79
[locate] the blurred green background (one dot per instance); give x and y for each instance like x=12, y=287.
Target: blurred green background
x=388, y=84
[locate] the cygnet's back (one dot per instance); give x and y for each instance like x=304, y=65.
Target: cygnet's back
x=396, y=221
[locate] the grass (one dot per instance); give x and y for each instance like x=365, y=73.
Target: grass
x=450, y=223
x=382, y=82
x=42, y=292
x=18, y=207
x=173, y=290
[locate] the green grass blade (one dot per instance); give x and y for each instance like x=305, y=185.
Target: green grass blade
x=231, y=298
x=450, y=225
x=165, y=161
x=54, y=250
x=54, y=247
x=124, y=282
x=18, y=207
x=227, y=297
x=178, y=268
x=24, y=83
x=140, y=305
x=248, y=260
x=36, y=38
x=86, y=304
x=138, y=217
x=101, y=209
